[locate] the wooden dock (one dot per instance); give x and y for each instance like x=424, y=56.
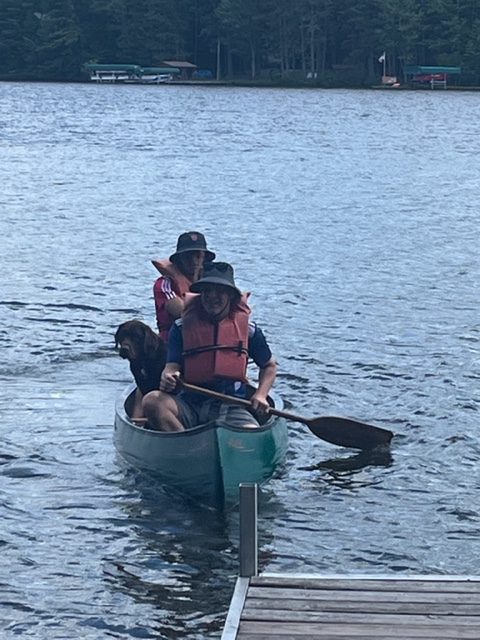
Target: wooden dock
x=331, y=607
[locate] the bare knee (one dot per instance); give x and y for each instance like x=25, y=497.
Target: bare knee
x=155, y=401
x=151, y=399
x=160, y=409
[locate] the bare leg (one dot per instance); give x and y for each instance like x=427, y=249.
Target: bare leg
x=161, y=411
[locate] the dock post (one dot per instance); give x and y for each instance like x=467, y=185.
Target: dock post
x=248, y=530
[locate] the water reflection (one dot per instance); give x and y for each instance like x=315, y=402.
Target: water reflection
x=175, y=556
x=378, y=457
x=343, y=472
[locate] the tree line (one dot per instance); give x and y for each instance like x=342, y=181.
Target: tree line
x=330, y=42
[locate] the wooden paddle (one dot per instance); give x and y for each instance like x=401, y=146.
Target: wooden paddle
x=340, y=431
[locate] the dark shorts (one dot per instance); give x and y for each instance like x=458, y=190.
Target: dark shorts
x=192, y=413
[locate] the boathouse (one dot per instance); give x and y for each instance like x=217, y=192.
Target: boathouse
x=186, y=68
x=419, y=75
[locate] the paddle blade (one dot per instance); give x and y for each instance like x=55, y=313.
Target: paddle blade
x=349, y=433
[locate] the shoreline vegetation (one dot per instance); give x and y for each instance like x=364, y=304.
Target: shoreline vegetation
x=274, y=43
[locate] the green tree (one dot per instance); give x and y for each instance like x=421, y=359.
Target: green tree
x=19, y=27
x=439, y=37
x=142, y=32
x=359, y=26
x=100, y=25
x=399, y=34
x=57, y=54
x=244, y=22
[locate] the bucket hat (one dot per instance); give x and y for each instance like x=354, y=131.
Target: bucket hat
x=216, y=273
x=192, y=241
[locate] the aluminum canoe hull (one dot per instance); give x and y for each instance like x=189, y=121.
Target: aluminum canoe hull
x=208, y=462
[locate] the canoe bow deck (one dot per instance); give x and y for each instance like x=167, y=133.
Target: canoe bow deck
x=208, y=462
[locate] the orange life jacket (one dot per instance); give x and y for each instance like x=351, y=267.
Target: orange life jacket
x=180, y=283
x=214, y=350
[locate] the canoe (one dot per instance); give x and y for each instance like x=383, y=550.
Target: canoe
x=208, y=462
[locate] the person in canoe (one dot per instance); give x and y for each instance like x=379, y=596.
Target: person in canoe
x=209, y=346
x=146, y=352
x=179, y=271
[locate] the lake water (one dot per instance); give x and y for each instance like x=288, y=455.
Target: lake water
x=352, y=216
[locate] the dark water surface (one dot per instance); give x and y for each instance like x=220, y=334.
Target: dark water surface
x=353, y=219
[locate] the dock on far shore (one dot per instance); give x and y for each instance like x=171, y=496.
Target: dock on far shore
x=341, y=607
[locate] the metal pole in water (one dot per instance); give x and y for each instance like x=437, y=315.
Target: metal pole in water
x=248, y=530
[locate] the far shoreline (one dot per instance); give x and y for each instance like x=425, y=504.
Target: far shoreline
x=258, y=84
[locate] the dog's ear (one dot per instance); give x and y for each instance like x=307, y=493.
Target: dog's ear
x=126, y=330
x=150, y=341
x=118, y=335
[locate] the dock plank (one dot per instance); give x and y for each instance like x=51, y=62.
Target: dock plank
x=252, y=631
x=364, y=617
x=347, y=606
x=425, y=583
x=281, y=593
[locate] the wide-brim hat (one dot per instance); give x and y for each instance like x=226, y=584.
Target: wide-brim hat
x=216, y=273
x=192, y=241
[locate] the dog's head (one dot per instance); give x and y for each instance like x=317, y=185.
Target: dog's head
x=136, y=341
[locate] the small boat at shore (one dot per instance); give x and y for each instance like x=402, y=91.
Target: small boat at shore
x=208, y=462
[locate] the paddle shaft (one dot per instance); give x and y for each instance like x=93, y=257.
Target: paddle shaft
x=340, y=431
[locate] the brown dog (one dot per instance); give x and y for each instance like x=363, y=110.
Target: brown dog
x=146, y=353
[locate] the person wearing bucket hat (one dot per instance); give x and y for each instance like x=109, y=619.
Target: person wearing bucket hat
x=178, y=273
x=210, y=346
x=220, y=273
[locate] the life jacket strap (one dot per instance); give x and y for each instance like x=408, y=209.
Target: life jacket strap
x=239, y=349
